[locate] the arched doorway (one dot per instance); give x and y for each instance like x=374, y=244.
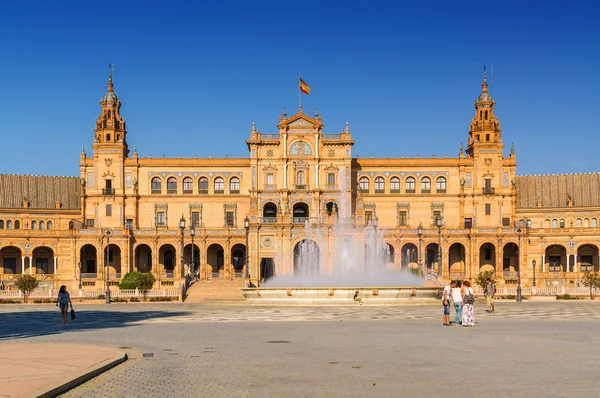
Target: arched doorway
x=166, y=260
x=390, y=256
x=556, y=258
x=457, y=261
x=269, y=212
x=300, y=213
x=306, y=258
x=215, y=259
x=87, y=257
x=409, y=257
x=331, y=208
x=510, y=261
x=188, y=256
x=43, y=261
x=238, y=259
x=10, y=258
x=487, y=257
x=587, y=258
x=114, y=261
x=143, y=258
x=431, y=258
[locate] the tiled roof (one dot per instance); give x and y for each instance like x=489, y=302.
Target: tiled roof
x=42, y=192
x=555, y=190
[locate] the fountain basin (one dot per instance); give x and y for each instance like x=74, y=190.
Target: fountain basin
x=344, y=295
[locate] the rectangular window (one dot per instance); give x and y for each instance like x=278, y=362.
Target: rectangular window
x=108, y=210
x=506, y=222
x=368, y=217
x=129, y=223
x=160, y=219
x=488, y=187
x=436, y=214
x=330, y=178
x=230, y=219
x=402, y=218
x=89, y=223
x=270, y=179
x=90, y=179
x=195, y=218
x=488, y=209
x=468, y=223
x=488, y=254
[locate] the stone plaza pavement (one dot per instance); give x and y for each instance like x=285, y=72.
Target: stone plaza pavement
x=529, y=349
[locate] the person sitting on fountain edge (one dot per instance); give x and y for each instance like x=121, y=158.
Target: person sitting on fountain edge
x=357, y=298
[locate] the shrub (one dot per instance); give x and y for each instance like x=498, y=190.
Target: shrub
x=101, y=297
x=482, y=276
x=26, y=284
x=118, y=300
x=134, y=300
x=591, y=280
x=5, y=301
x=163, y=299
x=143, y=281
x=567, y=297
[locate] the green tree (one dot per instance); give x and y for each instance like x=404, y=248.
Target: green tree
x=26, y=284
x=591, y=280
x=138, y=280
x=482, y=276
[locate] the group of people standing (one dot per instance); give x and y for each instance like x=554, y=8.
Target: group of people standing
x=462, y=296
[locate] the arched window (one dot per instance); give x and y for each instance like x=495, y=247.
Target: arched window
x=594, y=223
x=234, y=185
x=363, y=183
x=49, y=225
x=156, y=185
x=394, y=185
x=547, y=224
x=42, y=225
x=578, y=222
x=9, y=224
x=203, y=185
x=379, y=185
x=219, y=185
x=440, y=185
x=17, y=224
x=34, y=224
x=410, y=185
x=188, y=185
x=554, y=223
x=1, y=224
x=172, y=185
x=586, y=223
x=425, y=185
x=561, y=223
x=300, y=180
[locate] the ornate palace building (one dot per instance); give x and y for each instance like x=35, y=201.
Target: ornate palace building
x=452, y=217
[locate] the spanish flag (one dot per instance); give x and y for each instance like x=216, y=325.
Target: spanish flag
x=304, y=87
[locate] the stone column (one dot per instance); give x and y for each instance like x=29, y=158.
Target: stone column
x=285, y=176
x=30, y=265
x=23, y=265
x=543, y=263
x=568, y=265
x=55, y=265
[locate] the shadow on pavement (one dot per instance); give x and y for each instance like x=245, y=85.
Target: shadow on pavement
x=23, y=324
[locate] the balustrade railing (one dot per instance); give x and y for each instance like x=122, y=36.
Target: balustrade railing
x=88, y=275
x=267, y=220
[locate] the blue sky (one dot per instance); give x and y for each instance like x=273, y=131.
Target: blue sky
x=193, y=77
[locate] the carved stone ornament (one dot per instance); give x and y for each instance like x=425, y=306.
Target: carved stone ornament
x=488, y=161
x=270, y=153
x=331, y=153
x=108, y=162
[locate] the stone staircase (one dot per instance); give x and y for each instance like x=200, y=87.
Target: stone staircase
x=215, y=290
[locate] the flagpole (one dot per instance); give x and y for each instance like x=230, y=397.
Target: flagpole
x=299, y=94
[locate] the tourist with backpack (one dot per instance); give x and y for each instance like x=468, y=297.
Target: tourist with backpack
x=490, y=291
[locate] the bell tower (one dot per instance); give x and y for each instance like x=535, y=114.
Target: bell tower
x=485, y=130
x=110, y=125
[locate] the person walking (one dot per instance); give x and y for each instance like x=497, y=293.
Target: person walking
x=490, y=291
x=64, y=299
x=458, y=303
x=468, y=314
x=446, y=293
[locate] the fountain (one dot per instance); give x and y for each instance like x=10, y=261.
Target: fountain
x=355, y=261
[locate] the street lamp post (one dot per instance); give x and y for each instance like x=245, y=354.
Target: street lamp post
x=438, y=223
x=79, y=265
x=247, y=228
x=519, y=297
x=533, y=263
x=376, y=248
x=107, y=233
x=182, y=228
x=420, y=234
x=192, y=266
